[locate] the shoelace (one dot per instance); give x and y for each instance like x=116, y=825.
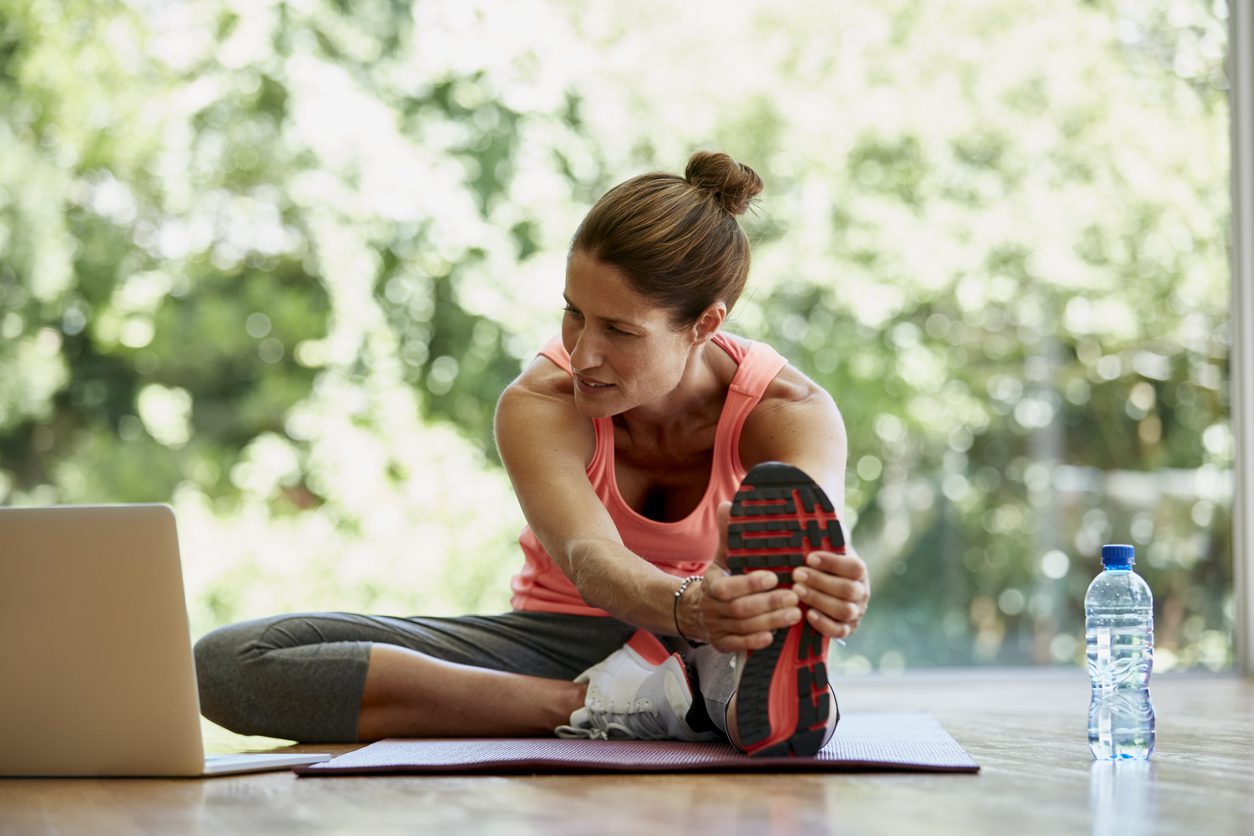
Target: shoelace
x=623, y=733
x=611, y=724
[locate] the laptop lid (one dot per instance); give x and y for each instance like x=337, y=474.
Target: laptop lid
x=96, y=671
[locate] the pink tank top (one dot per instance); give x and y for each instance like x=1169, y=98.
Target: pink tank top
x=683, y=547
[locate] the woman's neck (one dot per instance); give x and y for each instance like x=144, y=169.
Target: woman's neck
x=695, y=402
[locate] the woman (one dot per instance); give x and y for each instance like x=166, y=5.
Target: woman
x=626, y=440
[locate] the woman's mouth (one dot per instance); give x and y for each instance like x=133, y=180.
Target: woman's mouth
x=591, y=386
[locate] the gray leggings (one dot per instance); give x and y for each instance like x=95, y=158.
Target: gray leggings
x=301, y=676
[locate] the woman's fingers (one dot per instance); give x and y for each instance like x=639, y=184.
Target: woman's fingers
x=829, y=627
x=842, y=565
x=837, y=609
x=732, y=643
x=839, y=597
x=835, y=591
x=831, y=585
x=726, y=588
x=769, y=618
x=739, y=612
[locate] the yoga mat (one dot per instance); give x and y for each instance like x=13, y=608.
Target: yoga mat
x=863, y=742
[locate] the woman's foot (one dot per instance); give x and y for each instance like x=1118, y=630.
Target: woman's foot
x=829, y=728
x=638, y=692
x=783, y=704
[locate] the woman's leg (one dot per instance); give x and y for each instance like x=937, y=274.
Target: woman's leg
x=411, y=694
x=339, y=677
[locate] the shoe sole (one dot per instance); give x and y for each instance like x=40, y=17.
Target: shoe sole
x=778, y=517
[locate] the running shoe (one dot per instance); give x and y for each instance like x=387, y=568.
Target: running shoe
x=783, y=701
x=639, y=692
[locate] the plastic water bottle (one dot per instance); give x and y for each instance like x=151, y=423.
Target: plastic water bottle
x=1119, y=627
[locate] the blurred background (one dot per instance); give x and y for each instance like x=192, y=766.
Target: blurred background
x=273, y=262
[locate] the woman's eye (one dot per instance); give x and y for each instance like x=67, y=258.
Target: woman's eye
x=573, y=312
x=619, y=332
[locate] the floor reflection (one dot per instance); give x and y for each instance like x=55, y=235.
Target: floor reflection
x=792, y=811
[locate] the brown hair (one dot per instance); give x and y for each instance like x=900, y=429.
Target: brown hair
x=676, y=238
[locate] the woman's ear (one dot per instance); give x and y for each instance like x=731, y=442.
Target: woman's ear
x=708, y=323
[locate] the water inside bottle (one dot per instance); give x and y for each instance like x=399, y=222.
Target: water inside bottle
x=1120, y=656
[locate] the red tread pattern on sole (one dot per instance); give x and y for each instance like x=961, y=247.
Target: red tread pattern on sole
x=783, y=700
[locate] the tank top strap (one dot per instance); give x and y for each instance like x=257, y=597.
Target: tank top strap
x=556, y=351
x=759, y=365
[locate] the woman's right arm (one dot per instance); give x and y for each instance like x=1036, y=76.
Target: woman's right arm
x=546, y=445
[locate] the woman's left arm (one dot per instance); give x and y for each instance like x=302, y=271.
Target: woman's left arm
x=798, y=423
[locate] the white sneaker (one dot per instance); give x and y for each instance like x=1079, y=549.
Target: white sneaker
x=637, y=692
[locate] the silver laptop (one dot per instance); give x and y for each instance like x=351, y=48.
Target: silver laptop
x=96, y=671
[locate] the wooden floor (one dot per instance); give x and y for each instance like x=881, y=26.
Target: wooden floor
x=1025, y=728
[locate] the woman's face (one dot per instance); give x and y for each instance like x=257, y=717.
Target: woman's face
x=624, y=350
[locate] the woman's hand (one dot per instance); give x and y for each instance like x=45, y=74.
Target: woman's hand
x=740, y=612
x=836, y=589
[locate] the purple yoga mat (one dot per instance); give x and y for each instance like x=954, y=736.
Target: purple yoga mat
x=863, y=742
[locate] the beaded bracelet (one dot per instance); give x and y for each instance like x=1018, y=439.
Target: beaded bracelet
x=679, y=593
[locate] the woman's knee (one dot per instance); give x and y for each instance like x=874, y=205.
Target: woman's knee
x=297, y=676
x=231, y=650
x=222, y=660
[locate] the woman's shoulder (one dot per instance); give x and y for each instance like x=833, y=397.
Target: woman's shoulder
x=788, y=387
x=541, y=399
x=540, y=435
x=793, y=388
x=543, y=378
x=792, y=399
x=797, y=421
x=539, y=406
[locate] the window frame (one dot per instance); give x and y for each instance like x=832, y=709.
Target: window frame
x=1241, y=101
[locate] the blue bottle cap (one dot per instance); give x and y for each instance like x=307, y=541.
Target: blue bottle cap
x=1118, y=556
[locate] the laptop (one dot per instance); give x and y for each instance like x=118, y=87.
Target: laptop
x=96, y=670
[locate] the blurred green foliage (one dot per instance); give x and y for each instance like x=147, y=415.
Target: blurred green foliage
x=273, y=262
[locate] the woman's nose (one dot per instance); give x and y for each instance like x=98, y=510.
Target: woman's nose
x=586, y=354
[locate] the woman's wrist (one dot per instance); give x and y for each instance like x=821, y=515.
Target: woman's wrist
x=686, y=610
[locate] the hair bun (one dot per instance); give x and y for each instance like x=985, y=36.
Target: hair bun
x=733, y=184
